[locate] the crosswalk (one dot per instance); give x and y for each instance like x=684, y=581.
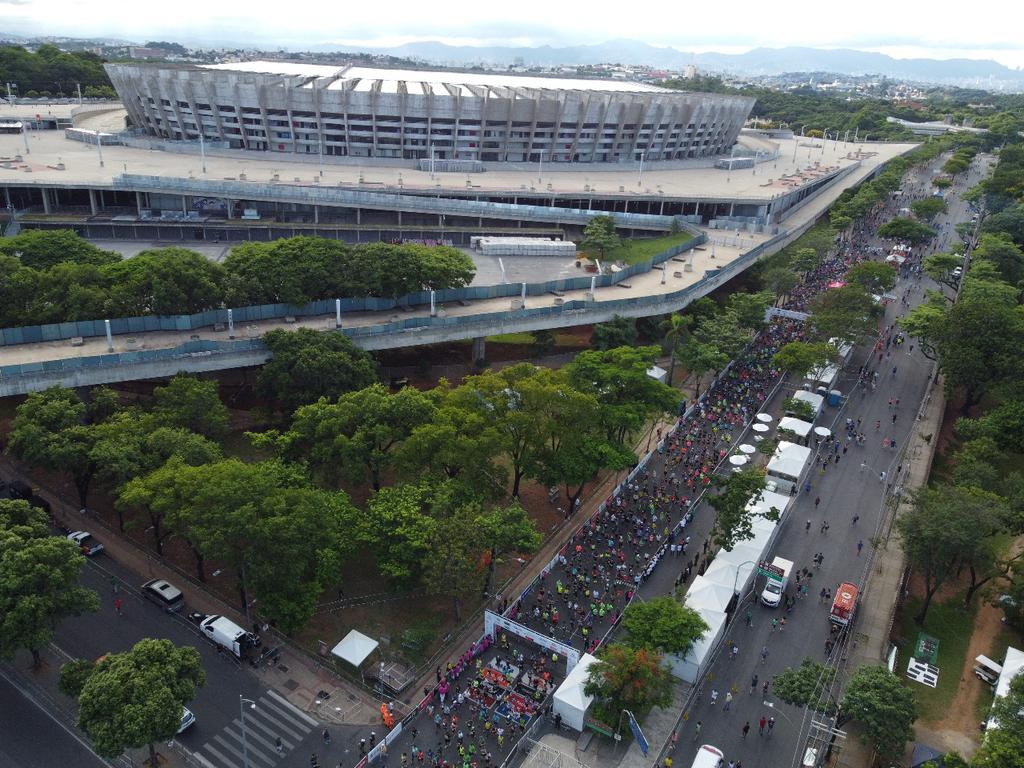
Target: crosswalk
x=272, y=718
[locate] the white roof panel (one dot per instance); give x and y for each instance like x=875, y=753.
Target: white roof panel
x=437, y=78
x=355, y=648
x=796, y=426
x=789, y=460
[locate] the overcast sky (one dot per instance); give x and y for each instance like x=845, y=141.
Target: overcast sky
x=979, y=29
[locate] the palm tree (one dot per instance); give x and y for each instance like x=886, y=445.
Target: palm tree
x=676, y=328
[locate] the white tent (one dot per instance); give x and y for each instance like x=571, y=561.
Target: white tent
x=1013, y=665
x=816, y=401
x=743, y=551
x=658, y=374
x=355, y=648
x=766, y=501
x=824, y=376
x=705, y=593
x=691, y=666
x=723, y=572
x=570, y=701
x=799, y=428
x=787, y=464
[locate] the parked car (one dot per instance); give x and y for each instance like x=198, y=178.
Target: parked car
x=86, y=542
x=187, y=719
x=164, y=594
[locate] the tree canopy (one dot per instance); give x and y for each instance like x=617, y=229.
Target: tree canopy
x=906, y=230
x=663, y=624
x=628, y=678
x=878, y=699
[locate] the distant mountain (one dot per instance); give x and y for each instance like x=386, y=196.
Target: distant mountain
x=759, y=61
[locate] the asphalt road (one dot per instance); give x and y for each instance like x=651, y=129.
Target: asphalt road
x=33, y=738
x=845, y=491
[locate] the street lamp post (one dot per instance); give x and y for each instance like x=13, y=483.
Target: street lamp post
x=242, y=701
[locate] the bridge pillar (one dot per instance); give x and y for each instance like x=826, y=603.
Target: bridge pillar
x=138, y=203
x=316, y=214
x=231, y=209
x=337, y=313
x=359, y=216
x=184, y=203
x=92, y=202
x=399, y=217
x=46, y=199
x=479, y=349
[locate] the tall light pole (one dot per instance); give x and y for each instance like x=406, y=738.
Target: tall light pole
x=242, y=701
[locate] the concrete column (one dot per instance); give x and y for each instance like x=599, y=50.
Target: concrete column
x=661, y=210
x=231, y=324
x=479, y=349
x=522, y=297
x=92, y=202
x=399, y=217
x=110, y=340
x=231, y=209
x=440, y=220
x=103, y=203
x=359, y=216
x=316, y=214
x=337, y=313
x=138, y=202
x=184, y=203
x=433, y=305
x=7, y=197
x=46, y=199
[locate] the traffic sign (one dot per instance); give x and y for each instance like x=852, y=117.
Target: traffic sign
x=764, y=568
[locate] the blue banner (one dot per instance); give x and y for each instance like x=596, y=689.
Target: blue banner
x=641, y=740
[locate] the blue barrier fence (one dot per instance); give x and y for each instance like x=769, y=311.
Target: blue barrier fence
x=33, y=334
x=712, y=279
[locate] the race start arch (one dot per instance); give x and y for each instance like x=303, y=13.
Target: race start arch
x=493, y=620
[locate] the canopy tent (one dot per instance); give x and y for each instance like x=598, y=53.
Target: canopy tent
x=691, y=666
x=787, y=464
x=816, y=401
x=766, y=501
x=658, y=374
x=355, y=648
x=1013, y=665
x=924, y=755
x=824, y=376
x=844, y=347
x=570, y=701
x=798, y=427
x=723, y=571
x=705, y=593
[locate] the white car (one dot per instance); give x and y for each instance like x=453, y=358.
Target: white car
x=86, y=542
x=187, y=719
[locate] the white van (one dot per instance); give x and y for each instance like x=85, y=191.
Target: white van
x=708, y=757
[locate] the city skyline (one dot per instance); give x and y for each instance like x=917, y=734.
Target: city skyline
x=898, y=31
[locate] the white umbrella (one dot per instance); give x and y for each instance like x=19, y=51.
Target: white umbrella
x=745, y=448
x=764, y=418
x=738, y=461
x=822, y=431
x=760, y=428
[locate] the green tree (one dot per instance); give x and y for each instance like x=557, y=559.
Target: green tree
x=873, y=276
x=618, y=379
x=601, y=235
x=876, y=698
x=939, y=267
x=52, y=429
x=907, y=230
x=39, y=576
x=715, y=341
x=41, y=249
x=806, y=686
x=73, y=676
x=1004, y=424
x=801, y=409
x=192, y=404
x=806, y=259
x=733, y=519
x=780, y=281
x=1008, y=222
x=926, y=322
x=307, y=365
x=676, y=327
x=628, y=678
x=749, y=308
x=664, y=625
x=356, y=434
x=164, y=281
x=617, y=332
x=397, y=526
x=849, y=313
x=135, y=699
x=1003, y=746
x=798, y=358
x=1003, y=254
x=543, y=342
x=928, y=208
x=507, y=529
x=454, y=562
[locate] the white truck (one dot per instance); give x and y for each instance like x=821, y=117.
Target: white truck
x=225, y=633
x=773, y=590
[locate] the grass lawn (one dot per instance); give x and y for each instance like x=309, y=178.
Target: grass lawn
x=636, y=250
x=523, y=337
x=953, y=625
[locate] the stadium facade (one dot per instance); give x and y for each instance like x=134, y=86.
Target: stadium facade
x=426, y=115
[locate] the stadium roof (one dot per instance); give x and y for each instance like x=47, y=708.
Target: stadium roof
x=423, y=81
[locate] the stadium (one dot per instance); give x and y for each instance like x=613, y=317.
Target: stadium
x=458, y=119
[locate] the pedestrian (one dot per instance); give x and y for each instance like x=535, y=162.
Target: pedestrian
x=764, y=655
x=881, y=477
x=807, y=528
x=735, y=651
x=782, y=623
x=117, y=605
x=746, y=729
x=753, y=684
x=728, y=701
x=775, y=624
x=326, y=736
x=855, y=519
x=863, y=466
x=817, y=501
x=860, y=546
x=279, y=745
x=750, y=618
x=760, y=725
x=821, y=595
x=696, y=730
x=714, y=696
x=771, y=724
x=764, y=688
